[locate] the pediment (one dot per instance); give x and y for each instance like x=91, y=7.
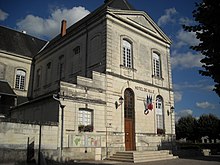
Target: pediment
x=142, y=20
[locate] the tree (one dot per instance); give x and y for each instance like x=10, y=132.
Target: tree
x=207, y=31
x=208, y=125
x=186, y=127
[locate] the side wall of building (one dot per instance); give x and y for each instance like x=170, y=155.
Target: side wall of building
x=78, y=54
x=11, y=63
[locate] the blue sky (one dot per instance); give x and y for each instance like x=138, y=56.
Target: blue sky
x=193, y=92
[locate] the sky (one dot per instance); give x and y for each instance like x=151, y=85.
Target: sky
x=193, y=92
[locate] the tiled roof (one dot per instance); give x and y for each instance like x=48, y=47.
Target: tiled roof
x=19, y=43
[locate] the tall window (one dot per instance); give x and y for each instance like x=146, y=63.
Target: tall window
x=2, y=71
x=61, y=67
x=76, y=62
x=156, y=65
x=38, y=76
x=127, y=54
x=159, y=114
x=20, y=79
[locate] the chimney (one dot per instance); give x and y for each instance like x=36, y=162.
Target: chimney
x=63, y=28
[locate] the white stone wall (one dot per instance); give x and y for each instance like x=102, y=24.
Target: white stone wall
x=15, y=135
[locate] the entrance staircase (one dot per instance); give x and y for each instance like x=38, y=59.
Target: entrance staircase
x=142, y=156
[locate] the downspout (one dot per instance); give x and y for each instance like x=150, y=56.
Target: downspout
x=32, y=76
x=87, y=47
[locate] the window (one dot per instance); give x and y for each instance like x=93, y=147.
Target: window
x=156, y=65
x=85, y=120
x=48, y=73
x=129, y=104
x=20, y=79
x=127, y=54
x=38, y=76
x=2, y=71
x=61, y=67
x=76, y=50
x=159, y=115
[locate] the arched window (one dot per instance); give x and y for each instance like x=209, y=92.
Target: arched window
x=129, y=103
x=159, y=115
x=38, y=77
x=156, y=65
x=48, y=73
x=61, y=67
x=20, y=79
x=127, y=53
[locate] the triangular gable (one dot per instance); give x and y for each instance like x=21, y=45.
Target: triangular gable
x=141, y=19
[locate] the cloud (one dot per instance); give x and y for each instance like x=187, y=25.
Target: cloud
x=205, y=105
x=185, y=60
x=186, y=21
x=185, y=38
x=167, y=17
x=177, y=96
x=50, y=26
x=3, y=15
x=183, y=113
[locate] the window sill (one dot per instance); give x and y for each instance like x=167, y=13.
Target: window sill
x=156, y=77
x=22, y=90
x=127, y=68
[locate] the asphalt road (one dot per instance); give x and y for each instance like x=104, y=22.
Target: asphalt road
x=209, y=160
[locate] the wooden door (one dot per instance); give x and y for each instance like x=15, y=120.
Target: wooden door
x=129, y=120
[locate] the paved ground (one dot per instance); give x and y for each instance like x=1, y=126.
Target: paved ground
x=210, y=160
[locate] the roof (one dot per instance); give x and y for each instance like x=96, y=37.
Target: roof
x=19, y=43
x=122, y=5
x=115, y=4
x=119, y=4
x=5, y=89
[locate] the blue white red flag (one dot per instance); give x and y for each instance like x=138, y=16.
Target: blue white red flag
x=148, y=104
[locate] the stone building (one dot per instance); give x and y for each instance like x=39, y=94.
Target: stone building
x=107, y=81
x=16, y=52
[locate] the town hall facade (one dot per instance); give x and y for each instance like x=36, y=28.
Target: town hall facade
x=107, y=81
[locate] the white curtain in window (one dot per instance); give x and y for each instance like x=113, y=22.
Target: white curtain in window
x=156, y=65
x=127, y=54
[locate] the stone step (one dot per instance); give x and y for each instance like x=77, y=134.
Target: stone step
x=142, y=156
x=142, y=160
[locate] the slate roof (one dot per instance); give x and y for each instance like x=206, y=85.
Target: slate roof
x=5, y=89
x=19, y=43
x=119, y=4
x=115, y=4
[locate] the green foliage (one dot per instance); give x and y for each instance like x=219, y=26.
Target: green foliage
x=208, y=125
x=186, y=128
x=207, y=31
x=193, y=130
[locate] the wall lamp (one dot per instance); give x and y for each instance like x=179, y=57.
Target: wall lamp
x=120, y=100
x=170, y=111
